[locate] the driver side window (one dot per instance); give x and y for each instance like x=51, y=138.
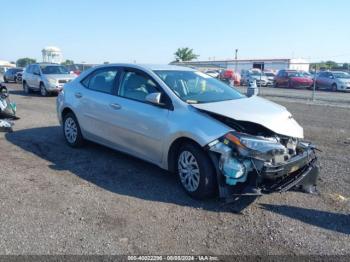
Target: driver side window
x=136, y=86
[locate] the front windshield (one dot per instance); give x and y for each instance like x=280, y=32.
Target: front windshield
x=195, y=87
x=50, y=70
x=341, y=75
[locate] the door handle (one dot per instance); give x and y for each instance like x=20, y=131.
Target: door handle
x=78, y=95
x=115, y=106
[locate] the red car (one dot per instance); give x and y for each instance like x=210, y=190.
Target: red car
x=228, y=75
x=292, y=79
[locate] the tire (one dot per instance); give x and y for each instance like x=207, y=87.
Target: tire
x=201, y=183
x=71, y=131
x=26, y=88
x=5, y=80
x=43, y=90
x=275, y=85
x=334, y=88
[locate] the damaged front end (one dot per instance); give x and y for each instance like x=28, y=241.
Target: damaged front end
x=254, y=165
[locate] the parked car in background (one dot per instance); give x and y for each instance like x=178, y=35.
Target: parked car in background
x=335, y=81
x=78, y=68
x=270, y=78
x=230, y=77
x=254, y=75
x=11, y=74
x=46, y=78
x=19, y=76
x=213, y=73
x=182, y=120
x=292, y=79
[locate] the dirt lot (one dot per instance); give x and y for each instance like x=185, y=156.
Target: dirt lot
x=57, y=200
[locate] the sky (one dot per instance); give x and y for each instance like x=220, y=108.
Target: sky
x=150, y=31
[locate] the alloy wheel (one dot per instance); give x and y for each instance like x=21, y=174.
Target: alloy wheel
x=43, y=91
x=188, y=171
x=70, y=130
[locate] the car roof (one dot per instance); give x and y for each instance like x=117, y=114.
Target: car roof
x=338, y=72
x=151, y=67
x=48, y=64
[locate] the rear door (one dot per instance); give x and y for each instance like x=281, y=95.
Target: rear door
x=322, y=80
x=94, y=102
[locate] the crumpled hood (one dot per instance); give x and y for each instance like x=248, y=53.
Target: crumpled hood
x=257, y=110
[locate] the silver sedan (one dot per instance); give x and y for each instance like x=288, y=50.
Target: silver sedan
x=216, y=139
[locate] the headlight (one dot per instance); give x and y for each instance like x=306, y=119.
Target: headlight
x=255, y=147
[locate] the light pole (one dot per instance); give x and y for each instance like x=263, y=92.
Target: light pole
x=236, y=57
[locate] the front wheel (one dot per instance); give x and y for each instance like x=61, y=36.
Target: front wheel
x=196, y=172
x=26, y=88
x=334, y=87
x=71, y=131
x=43, y=90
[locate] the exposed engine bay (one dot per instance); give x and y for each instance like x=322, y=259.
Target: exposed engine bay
x=253, y=160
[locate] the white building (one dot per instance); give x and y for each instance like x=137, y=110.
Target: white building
x=4, y=65
x=246, y=64
x=52, y=54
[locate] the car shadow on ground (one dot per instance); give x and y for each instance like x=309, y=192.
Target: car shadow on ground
x=114, y=171
x=322, y=219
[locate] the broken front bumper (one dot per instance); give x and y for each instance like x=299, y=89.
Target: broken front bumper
x=300, y=172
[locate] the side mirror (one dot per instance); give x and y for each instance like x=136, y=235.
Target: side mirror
x=154, y=98
x=331, y=77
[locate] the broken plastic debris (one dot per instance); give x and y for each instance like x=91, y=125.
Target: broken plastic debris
x=6, y=125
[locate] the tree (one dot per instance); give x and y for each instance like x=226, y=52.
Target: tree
x=185, y=54
x=23, y=62
x=67, y=62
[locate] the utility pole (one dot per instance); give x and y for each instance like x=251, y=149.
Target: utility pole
x=236, y=57
x=314, y=87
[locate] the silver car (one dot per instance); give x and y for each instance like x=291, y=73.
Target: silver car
x=216, y=139
x=335, y=81
x=46, y=78
x=254, y=75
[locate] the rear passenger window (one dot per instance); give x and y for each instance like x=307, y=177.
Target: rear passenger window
x=101, y=80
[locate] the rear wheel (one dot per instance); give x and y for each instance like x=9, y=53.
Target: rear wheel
x=71, y=131
x=5, y=80
x=196, y=172
x=43, y=90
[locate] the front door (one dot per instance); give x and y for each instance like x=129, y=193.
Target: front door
x=141, y=125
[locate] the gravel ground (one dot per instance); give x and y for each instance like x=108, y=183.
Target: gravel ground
x=58, y=200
